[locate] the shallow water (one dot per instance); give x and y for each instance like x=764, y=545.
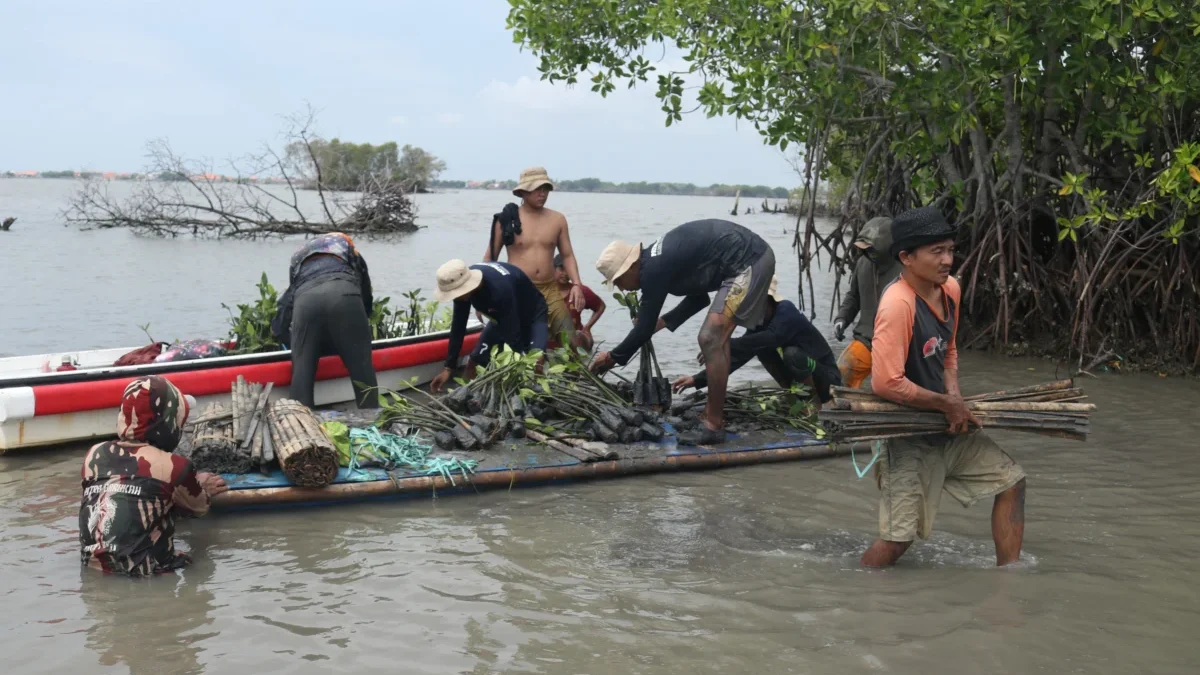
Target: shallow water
x=745, y=570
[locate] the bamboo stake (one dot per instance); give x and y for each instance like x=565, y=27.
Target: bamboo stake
x=1032, y=389
x=235, y=397
x=577, y=453
x=1053, y=406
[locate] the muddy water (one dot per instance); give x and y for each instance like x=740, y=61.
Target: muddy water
x=748, y=570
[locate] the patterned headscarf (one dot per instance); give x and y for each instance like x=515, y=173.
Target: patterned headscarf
x=152, y=411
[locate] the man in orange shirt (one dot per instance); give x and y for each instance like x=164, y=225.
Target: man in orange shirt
x=915, y=363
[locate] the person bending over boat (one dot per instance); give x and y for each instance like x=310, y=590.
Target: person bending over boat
x=873, y=271
x=515, y=309
x=530, y=233
x=591, y=302
x=693, y=260
x=915, y=363
x=788, y=346
x=134, y=487
x=324, y=311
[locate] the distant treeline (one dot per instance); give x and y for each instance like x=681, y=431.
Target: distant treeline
x=69, y=174
x=638, y=188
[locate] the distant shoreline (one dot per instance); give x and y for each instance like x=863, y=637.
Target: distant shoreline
x=748, y=192
x=595, y=185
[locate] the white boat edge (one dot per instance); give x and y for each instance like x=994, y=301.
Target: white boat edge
x=21, y=429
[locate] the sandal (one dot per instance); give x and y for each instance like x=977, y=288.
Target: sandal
x=702, y=435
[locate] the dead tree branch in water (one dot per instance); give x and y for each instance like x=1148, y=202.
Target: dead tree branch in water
x=260, y=196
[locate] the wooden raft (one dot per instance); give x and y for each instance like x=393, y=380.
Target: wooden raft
x=306, y=455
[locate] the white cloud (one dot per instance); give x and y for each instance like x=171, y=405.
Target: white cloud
x=529, y=94
x=450, y=119
x=399, y=120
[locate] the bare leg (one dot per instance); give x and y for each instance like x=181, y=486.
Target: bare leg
x=884, y=553
x=714, y=344
x=1008, y=523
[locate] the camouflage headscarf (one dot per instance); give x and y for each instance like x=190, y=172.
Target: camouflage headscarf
x=152, y=411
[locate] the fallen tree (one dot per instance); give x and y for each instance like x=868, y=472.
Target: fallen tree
x=261, y=195
x=1061, y=137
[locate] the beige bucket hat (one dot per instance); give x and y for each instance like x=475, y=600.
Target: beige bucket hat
x=774, y=290
x=455, y=279
x=616, y=259
x=531, y=179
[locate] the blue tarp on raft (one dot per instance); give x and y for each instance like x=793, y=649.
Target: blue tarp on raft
x=509, y=455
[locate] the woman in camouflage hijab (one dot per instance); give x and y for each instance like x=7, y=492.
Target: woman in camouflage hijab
x=134, y=486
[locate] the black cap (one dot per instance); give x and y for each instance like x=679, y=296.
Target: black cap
x=558, y=261
x=919, y=227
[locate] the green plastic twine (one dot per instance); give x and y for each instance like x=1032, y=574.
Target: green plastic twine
x=863, y=471
x=394, y=451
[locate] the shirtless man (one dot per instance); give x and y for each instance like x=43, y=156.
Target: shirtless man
x=531, y=243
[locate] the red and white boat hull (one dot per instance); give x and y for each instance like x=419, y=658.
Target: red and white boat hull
x=38, y=408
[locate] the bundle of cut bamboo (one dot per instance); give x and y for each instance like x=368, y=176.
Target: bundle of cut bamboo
x=1050, y=409
x=250, y=401
x=305, y=453
x=212, y=443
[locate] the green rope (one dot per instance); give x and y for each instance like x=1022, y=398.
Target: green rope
x=392, y=452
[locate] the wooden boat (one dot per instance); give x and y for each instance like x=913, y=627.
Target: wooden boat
x=523, y=464
x=40, y=408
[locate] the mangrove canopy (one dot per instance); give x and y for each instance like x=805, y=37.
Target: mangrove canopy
x=1062, y=137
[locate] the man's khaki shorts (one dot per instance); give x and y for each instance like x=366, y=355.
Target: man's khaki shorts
x=743, y=299
x=558, y=316
x=912, y=472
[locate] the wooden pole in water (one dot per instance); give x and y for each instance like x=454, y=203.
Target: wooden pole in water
x=505, y=479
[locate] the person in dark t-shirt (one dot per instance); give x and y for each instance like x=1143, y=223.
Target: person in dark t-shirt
x=326, y=310
x=515, y=309
x=789, y=347
x=692, y=261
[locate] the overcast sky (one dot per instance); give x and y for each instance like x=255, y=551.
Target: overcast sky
x=84, y=85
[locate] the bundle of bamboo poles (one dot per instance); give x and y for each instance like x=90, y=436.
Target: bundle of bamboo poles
x=1050, y=409
x=305, y=453
x=249, y=402
x=212, y=445
x=233, y=438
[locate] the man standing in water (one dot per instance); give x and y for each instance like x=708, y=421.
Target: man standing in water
x=873, y=271
x=915, y=363
x=530, y=236
x=693, y=260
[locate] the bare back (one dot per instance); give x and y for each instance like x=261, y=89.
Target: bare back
x=533, y=249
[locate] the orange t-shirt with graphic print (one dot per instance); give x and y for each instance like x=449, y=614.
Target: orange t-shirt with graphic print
x=914, y=343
